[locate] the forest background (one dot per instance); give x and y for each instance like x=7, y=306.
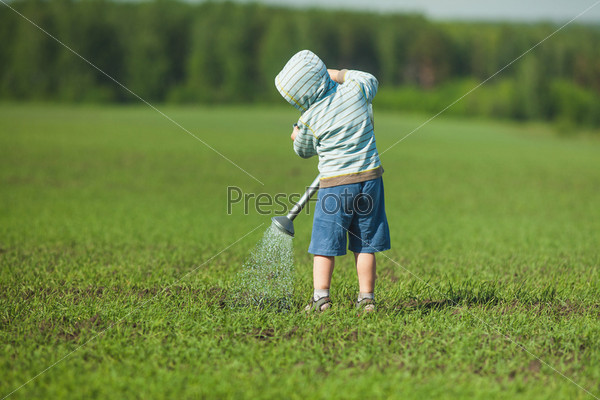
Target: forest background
x=224, y=52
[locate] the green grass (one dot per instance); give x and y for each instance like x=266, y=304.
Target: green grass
x=114, y=240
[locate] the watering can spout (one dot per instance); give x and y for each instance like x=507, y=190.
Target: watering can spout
x=286, y=224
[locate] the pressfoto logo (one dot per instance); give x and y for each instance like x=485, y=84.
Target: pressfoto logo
x=282, y=203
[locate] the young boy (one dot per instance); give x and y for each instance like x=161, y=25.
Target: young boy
x=336, y=123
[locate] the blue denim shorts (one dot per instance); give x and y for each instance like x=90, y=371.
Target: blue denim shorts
x=354, y=212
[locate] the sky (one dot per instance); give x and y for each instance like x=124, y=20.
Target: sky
x=512, y=10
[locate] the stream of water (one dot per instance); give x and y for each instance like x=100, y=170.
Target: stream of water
x=267, y=276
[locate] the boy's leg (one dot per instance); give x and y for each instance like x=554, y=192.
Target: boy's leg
x=322, y=271
x=366, y=266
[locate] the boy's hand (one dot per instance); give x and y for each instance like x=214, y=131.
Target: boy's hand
x=337, y=75
x=295, y=132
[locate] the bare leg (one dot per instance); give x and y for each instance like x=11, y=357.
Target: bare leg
x=322, y=271
x=365, y=268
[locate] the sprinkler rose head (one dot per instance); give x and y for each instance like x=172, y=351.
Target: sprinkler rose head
x=284, y=224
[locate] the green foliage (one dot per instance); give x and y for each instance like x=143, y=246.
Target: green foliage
x=114, y=236
x=227, y=52
x=522, y=98
x=573, y=104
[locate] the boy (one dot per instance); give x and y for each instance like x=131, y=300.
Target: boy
x=336, y=123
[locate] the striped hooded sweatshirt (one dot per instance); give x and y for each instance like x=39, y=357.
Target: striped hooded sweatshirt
x=336, y=121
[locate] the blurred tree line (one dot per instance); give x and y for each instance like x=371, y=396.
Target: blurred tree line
x=172, y=51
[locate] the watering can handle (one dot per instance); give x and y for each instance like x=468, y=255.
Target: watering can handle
x=310, y=191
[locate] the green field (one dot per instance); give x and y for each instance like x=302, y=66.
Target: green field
x=118, y=261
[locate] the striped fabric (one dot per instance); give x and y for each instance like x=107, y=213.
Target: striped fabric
x=336, y=122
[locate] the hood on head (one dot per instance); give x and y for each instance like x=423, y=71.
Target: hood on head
x=304, y=80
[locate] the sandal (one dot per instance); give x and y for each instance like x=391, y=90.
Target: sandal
x=366, y=305
x=324, y=303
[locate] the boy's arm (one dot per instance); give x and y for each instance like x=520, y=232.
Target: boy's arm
x=337, y=75
x=367, y=82
x=304, y=141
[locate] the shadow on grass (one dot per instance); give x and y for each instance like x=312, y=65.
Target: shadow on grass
x=469, y=293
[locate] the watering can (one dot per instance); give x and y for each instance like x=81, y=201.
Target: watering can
x=286, y=223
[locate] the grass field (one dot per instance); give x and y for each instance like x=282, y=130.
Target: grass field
x=118, y=261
